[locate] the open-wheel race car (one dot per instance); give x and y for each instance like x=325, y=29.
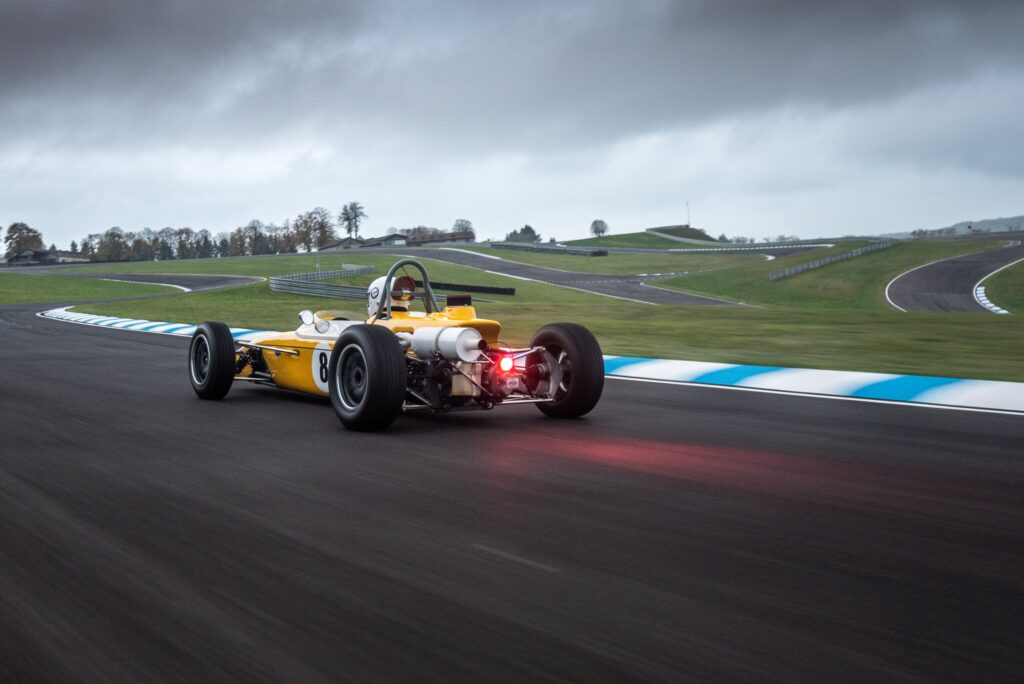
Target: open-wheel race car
x=401, y=360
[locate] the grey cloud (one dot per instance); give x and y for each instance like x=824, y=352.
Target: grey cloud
x=521, y=74
x=366, y=87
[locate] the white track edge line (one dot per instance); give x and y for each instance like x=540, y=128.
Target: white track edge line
x=762, y=390
x=42, y=314
x=146, y=282
x=812, y=395
x=978, y=284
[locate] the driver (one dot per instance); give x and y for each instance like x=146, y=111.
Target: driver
x=403, y=291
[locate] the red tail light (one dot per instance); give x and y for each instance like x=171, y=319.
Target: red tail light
x=505, y=364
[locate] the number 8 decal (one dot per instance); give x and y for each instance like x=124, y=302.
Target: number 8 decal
x=320, y=366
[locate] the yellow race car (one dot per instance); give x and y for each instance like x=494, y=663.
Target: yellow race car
x=400, y=359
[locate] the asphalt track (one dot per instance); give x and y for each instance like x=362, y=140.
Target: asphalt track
x=763, y=251
x=675, y=534
x=948, y=285
x=633, y=287
x=196, y=282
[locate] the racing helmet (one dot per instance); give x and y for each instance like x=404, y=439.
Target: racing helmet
x=403, y=290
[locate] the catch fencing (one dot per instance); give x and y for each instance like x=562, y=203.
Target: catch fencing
x=551, y=249
x=308, y=283
x=825, y=261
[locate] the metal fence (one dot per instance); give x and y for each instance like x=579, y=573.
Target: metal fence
x=307, y=283
x=527, y=247
x=825, y=261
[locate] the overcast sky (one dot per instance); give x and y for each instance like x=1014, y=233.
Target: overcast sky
x=767, y=117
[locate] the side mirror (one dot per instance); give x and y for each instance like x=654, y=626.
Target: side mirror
x=306, y=317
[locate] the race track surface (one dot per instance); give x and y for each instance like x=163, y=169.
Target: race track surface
x=629, y=287
x=948, y=285
x=677, y=533
x=197, y=283
x=774, y=251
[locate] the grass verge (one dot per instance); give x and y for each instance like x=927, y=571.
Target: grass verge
x=959, y=345
x=624, y=264
x=22, y=288
x=1006, y=289
x=835, y=317
x=857, y=284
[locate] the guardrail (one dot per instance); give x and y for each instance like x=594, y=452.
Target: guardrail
x=307, y=283
x=825, y=261
x=762, y=248
x=527, y=247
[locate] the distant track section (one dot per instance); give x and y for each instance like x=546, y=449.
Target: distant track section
x=950, y=284
x=631, y=288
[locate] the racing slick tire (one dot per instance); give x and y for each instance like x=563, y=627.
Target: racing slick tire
x=211, y=360
x=367, y=378
x=579, y=355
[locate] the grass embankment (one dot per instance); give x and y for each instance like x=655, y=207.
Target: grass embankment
x=624, y=264
x=1006, y=289
x=857, y=284
x=835, y=317
x=22, y=288
x=638, y=240
x=961, y=345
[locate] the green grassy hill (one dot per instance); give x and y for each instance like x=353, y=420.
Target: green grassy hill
x=638, y=240
x=624, y=264
x=857, y=284
x=20, y=288
x=833, y=317
x=685, y=232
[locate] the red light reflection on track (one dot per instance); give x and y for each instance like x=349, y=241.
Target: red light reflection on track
x=828, y=476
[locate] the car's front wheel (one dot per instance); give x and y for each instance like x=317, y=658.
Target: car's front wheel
x=579, y=358
x=211, y=360
x=367, y=378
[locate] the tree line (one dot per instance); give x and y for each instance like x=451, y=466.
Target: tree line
x=307, y=231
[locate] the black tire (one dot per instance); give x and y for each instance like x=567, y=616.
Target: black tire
x=367, y=378
x=211, y=360
x=579, y=355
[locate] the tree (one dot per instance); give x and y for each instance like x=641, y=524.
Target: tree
x=598, y=228
x=163, y=244
x=204, y=245
x=256, y=238
x=74, y=247
x=112, y=246
x=350, y=217
x=524, y=234
x=142, y=249
x=723, y=238
x=184, y=239
x=53, y=247
x=236, y=242
x=314, y=228
x=21, y=237
x=89, y=245
x=223, y=247
x=463, y=226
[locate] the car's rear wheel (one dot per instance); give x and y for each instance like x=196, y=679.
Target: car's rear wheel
x=579, y=357
x=211, y=360
x=366, y=378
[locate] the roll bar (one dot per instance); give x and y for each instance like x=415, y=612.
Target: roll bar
x=429, y=301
